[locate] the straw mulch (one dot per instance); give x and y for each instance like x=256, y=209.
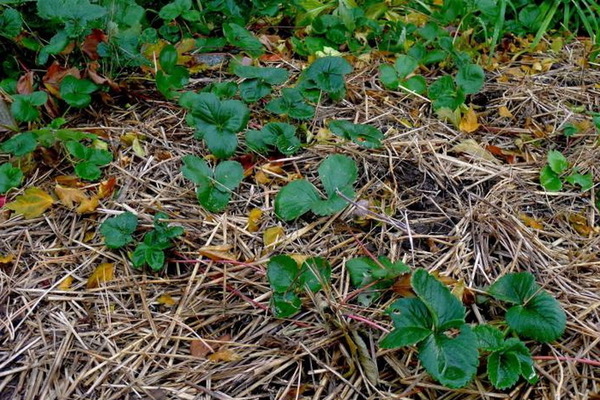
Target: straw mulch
x=432, y=206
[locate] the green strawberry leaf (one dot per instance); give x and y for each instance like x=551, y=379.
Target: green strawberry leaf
x=328, y=75
x=11, y=23
x=228, y=176
x=240, y=37
x=550, y=179
x=295, y=199
x=405, y=65
x=557, y=161
x=446, y=310
x=117, y=230
x=503, y=369
x=361, y=134
x=470, y=78
x=292, y=104
x=515, y=288
x=10, y=177
x=24, y=106
x=314, y=272
x=286, y=304
x=585, y=181
x=451, y=361
x=76, y=92
x=489, y=338
x=389, y=76
x=282, y=273
x=88, y=171
x=413, y=323
x=174, y=9
x=274, y=134
x=271, y=76
x=20, y=144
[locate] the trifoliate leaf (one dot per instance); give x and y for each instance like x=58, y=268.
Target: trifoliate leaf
x=361, y=134
x=489, y=338
x=550, y=179
x=292, y=104
x=77, y=92
x=274, y=134
x=117, y=230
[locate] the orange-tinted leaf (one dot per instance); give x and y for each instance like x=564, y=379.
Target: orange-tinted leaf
x=474, y=149
x=91, y=42
x=218, y=253
x=272, y=235
x=402, y=286
x=103, y=273
x=107, y=187
x=66, y=283
x=55, y=74
x=69, y=181
x=468, y=122
x=25, y=83
x=224, y=355
x=509, y=156
x=69, y=196
x=254, y=217
x=166, y=299
x=198, y=348
x=32, y=203
x=88, y=205
x=531, y=222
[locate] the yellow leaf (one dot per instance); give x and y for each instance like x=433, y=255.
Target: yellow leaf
x=459, y=289
x=166, y=299
x=580, y=224
x=65, y=284
x=88, y=205
x=32, y=203
x=254, y=219
x=7, y=258
x=531, y=222
x=69, y=196
x=505, y=112
x=272, y=235
x=474, y=149
x=469, y=123
x=103, y=273
x=224, y=355
x=218, y=253
x=138, y=149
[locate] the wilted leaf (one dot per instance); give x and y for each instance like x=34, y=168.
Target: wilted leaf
x=531, y=222
x=474, y=149
x=32, y=203
x=503, y=111
x=107, y=187
x=218, y=253
x=254, y=217
x=103, y=273
x=69, y=181
x=580, y=224
x=468, y=122
x=69, y=196
x=224, y=355
x=88, y=205
x=402, y=286
x=166, y=299
x=272, y=235
x=66, y=283
x=199, y=349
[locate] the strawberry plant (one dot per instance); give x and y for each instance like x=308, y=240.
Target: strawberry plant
x=90, y=160
x=291, y=104
x=239, y=36
x=361, y=134
x=325, y=76
x=170, y=77
x=398, y=75
x=258, y=81
x=151, y=250
x=274, y=135
x=556, y=171
x=117, y=231
x=288, y=279
x=216, y=121
x=337, y=173
x=10, y=177
x=24, y=106
x=77, y=92
x=375, y=275
x=214, y=188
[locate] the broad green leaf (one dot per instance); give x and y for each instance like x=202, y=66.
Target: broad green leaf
x=174, y=9
x=417, y=84
x=88, y=170
x=364, y=270
x=20, y=144
x=260, y=141
x=81, y=11
x=168, y=58
x=361, y=134
x=388, y=76
x=446, y=310
x=10, y=177
x=489, y=338
x=32, y=203
x=444, y=93
x=240, y=37
x=328, y=73
x=138, y=257
x=228, y=175
x=557, y=162
x=117, y=230
x=286, y=304
x=282, y=273
x=550, y=179
x=405, y=65
x=503, y=369
x=252, y=90
x=337, y=172
x=412, y=324
x=76, y=92
x=518, y=348
x=23, y=107
x=155, y=258
x=217, y=121
x=451, y=361
x=515, y=288
x=291, y=104
x=470, y=78
x=223, y=90
x=333, y=204
x=272, y=76
x=11, y=23
x=295, y=199
x=541, y=318
x=274, y=134
x=196, y=170
x=585, y=181
x=314, y=272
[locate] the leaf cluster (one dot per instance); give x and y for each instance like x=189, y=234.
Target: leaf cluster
x=557, y=171
x=374, y=276
x=151, y=251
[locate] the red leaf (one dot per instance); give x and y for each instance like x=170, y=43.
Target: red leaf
x=55, y=75
x=90, y=44
x=2, y=201
x=25, y=83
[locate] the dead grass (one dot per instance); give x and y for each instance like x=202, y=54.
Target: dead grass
x=432, y=207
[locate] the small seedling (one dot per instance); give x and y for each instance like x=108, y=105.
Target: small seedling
x=258, y=81
x=216, y=121
x=152, y=249
x=556, y=172
x=287, y=280
x=214, y=188
x=117, y=231
x=361, y=134
x=274, y=135
x=291, y=104
x=91, y=159
x=337, y=173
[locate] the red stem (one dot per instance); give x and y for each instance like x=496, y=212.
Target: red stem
x=368, y=322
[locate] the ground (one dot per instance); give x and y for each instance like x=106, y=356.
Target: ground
x=458, y=211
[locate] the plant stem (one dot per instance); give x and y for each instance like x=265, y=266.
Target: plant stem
x=573, y=359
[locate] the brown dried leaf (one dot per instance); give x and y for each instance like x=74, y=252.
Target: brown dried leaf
x=402, y=286
x=91, y=42
x=468, y=122
x=103, y=273
x=198, y=348
x=254, y=217
x=25, y=83
x=69, y=196
x=218, y=253
x=107, y=187
x=224, y=355
x=474, y=149
x=579, y=222
x=503, y=111
x=166, y=299
x=531, y=222
x=88, y=205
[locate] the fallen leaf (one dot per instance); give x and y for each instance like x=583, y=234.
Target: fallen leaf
x=66, y=283
x=91, y=42
x=402, y=286
x=509, y=156
x=531, y=222
x=107, y=187
x=198, y=348
x=103, y=273
x=32, y=203
x=218, y=253
x=254, y=217
x=88, y=205
x=166, y=299
x=468, y=122
x=69, y=181
x=69, y=196
x=25, y=83
x=580, y=223
x=503, y=111
x=367, y=363
x=7, y=258
x=272, y=235
x=474, y=149
x=54, y=76
x=224, y=355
